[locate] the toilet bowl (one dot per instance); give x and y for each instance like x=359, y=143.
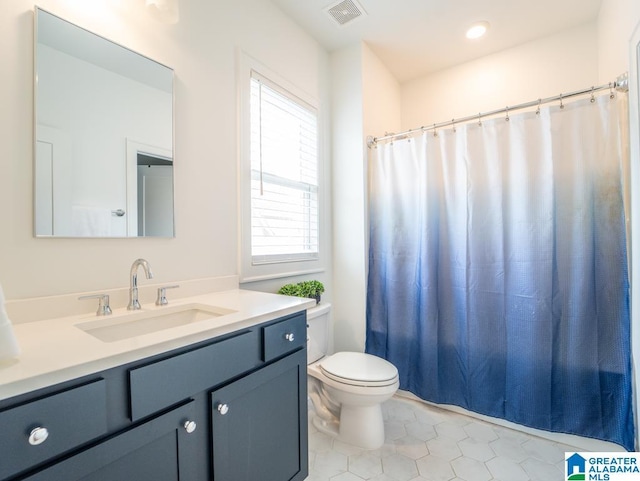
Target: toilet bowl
x=347, y=389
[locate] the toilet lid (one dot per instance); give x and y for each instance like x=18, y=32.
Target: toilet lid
x=359, y=367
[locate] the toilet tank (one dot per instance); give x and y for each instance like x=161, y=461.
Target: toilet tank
x=318, y=331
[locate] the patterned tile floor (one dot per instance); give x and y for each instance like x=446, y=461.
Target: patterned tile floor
x=426, y=443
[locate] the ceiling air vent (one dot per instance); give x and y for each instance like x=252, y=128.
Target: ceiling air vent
x=344, y=12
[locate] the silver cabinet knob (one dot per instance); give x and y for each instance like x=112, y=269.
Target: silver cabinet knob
x=290, y=337
x=223, y=408
x=190, y=426
x=38, y=436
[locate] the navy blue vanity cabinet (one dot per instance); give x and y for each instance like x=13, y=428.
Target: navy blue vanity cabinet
x=229, y=408
x=259, y=424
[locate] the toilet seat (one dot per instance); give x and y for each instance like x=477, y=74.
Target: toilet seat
x=359, y=369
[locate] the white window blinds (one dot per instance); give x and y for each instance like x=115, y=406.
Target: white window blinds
x=284, y=175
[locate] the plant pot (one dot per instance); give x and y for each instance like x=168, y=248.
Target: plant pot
x=316, y=297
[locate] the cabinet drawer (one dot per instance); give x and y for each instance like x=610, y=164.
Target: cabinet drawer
x=71, y=418
x=160, y=450
x=284, y=336
x=156, y=386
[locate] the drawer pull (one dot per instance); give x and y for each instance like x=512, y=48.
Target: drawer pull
x=190, y=426
x=223, y=408
x=290, y=337
x=38, y=436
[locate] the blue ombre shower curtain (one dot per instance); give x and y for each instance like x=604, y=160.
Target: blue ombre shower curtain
x=498, y=268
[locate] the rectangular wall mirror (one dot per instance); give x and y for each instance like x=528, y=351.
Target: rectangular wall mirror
x=103, y=137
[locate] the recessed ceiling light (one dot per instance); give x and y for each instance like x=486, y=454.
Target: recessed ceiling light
x=477, y=30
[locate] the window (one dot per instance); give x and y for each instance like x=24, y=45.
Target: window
x=284, y=214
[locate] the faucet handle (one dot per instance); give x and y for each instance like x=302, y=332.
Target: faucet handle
x=162, y=295
x=103, y=303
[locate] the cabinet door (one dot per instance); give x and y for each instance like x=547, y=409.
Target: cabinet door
x=158, y=450
x=259, y=424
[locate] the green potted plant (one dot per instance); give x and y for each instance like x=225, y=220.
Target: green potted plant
x=290, y=290
x=311, y=289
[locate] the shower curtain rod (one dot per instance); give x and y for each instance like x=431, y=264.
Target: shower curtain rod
x=621, y=84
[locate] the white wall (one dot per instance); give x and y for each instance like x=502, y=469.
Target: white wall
x=202, y=50
x=366, y=98
x=564, y=62
x=616, y=23
x=381, y=96
x=347, y=184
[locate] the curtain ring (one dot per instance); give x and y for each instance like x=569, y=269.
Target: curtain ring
x=507, y=109
x=435, y=131
x=453, y=122
x=561, y=104
x=539, y=104
x=479, y=120
x=611, y=94
x=593, y=98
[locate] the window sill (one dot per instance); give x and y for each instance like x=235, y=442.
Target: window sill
x=278, y=275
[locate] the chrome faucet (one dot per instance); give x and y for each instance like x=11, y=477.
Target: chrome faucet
x=134, y=304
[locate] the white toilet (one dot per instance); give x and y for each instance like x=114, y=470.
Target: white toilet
x=346, y=388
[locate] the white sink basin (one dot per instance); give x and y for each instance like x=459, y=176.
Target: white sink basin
x=138, y=323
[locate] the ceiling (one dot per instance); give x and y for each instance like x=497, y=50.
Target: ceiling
x=416, y=37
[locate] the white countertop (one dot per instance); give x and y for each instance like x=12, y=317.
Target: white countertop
x=55, y=350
